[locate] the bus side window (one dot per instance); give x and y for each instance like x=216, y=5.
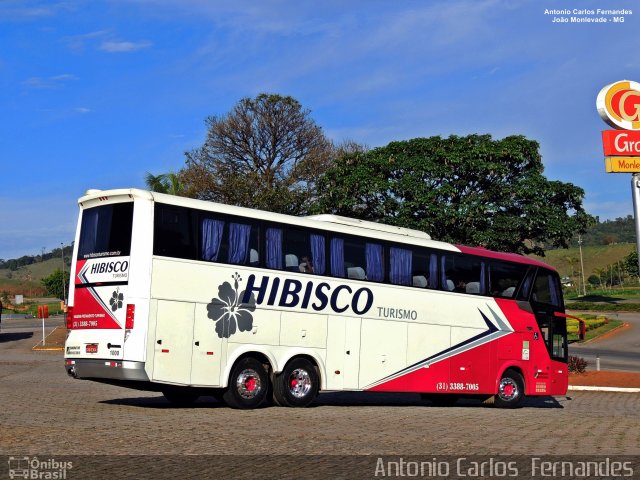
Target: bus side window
x=244, y=244
x=464, y=273
x=504, y=278
x=354, y=259
x=173, y=236
x=401, y=269
x=546, y=289
x=425, y=269
x=211, y=231
x=374, y=253
x=304, y=252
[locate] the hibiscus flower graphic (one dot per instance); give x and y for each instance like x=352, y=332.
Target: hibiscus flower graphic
x=116, y=300
x=229, y=312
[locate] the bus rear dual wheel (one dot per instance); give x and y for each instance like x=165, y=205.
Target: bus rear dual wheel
x=297, y=385
x=249, y=386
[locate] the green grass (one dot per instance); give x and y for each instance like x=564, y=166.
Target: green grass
x=604, y=295
x=32, y=309
x=567, y=261
x=603, y=307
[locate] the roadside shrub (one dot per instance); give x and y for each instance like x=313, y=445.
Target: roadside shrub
x=577, y=364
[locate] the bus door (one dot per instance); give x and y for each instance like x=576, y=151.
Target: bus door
x=546, y=301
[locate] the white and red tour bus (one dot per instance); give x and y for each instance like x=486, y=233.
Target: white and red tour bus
x=192, y=298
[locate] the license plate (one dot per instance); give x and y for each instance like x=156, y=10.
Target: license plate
x=92, y=348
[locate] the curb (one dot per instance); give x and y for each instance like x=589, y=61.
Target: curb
x=604, y=335
x=604, y=389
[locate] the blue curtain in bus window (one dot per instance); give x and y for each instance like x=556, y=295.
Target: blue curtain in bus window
x=483, y=279
x=238, y=242
x=317, y=253
x=443, y=273
x=433, y=271
x=400, y=273
x=274, y=248
x=375, y=263
x=211, y=238
x=553, y=287
x=337, y=257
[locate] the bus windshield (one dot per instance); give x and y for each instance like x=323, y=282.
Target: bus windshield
x=106, y=231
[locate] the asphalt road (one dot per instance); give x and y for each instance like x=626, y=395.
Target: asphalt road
x=619, y=350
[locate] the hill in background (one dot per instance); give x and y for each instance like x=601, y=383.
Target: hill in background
x=609, y=232
x=26, y=280
x=595, y=257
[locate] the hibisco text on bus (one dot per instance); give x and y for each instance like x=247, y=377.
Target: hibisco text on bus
x=194, y=298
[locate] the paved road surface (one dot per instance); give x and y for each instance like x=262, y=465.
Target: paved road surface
x=618, y=351
x=45, y=414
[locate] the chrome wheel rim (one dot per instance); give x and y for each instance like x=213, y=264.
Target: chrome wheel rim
x=299, y=383
x=248, y=384
x=508, y=389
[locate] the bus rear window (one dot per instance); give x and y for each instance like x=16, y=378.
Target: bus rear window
x=106, y=231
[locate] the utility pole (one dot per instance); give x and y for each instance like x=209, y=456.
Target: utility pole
x=64, y=288
x=635, y=185
x=584, y=286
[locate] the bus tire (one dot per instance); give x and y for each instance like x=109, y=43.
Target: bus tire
x=248, y=384
x=297, y=385
x=180, y=398
x=510, y=390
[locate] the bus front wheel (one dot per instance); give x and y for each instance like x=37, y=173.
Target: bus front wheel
x=297, y=385
x=248, y=384
x=510, y=390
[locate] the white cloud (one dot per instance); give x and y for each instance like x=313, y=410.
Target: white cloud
x=63, y=78
x=55, y=81
x=82, y=110
x=27, y=10
x=78, y=42
x=123, y=46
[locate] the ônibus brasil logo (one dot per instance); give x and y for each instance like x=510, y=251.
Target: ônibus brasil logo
x=619, y=105
x=228, y=310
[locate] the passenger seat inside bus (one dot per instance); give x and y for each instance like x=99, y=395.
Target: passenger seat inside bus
x=291, y=262
x=508, y=292
x=420, y=281
x=357, y=273
x=473, y=287
x=254, y=258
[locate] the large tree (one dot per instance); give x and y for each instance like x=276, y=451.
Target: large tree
x=170, y=183
x=265, y=153
x=57, y=284
x=470, y=190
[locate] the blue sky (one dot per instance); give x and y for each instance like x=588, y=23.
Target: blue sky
x=96, y=93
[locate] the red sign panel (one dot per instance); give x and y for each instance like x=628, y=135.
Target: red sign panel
x=621, y=143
